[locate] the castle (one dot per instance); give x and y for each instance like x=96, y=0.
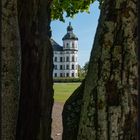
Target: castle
x=65, y=57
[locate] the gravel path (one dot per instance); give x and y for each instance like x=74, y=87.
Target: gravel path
x=57, y=121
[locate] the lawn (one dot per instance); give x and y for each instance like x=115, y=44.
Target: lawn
x=63, y=90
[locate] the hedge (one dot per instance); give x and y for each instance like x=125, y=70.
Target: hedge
x=67, y=80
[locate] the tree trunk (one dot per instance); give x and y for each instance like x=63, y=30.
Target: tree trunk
x=10, y=69
x=71, y=113
x=36, y=101
x=110, y=95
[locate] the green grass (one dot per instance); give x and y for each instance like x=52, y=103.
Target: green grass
x=62, y=91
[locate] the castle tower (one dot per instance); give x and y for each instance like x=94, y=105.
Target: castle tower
x=70, y=48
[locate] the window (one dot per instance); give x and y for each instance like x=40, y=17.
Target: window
x=72, y=66
x=72, y=44
x=55, y=75
x=67, y=74
x=61, y=75
x=61, y=67
x=72, y=74
x=67, y=45
x=55, y=59
x=61, y=59
x=67, y=67
x=72, y=58
x=55, y=67
x=67, y=59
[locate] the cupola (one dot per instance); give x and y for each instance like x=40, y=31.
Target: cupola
x=70, y=35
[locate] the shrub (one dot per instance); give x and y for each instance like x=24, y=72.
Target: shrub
x=67, y=80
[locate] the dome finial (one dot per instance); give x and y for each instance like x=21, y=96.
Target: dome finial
x=69, y=28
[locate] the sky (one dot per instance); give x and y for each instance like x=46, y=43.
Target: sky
x=84, y=27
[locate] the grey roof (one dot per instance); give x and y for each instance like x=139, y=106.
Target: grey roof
x=70, y=36
x=56, y=46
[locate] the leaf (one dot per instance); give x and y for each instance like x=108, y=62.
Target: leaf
x=71, y=7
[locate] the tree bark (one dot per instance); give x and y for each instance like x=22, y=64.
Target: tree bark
x=10, y=69
x=36, y=100
x=71, y=113
x=110, y=94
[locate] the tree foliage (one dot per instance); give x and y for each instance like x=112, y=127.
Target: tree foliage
x=86, y=67
x=70, y=7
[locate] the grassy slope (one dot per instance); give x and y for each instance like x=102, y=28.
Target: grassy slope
x=63, y=90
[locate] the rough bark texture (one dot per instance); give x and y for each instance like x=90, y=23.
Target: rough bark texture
x=10, y=69
x=71, y=114
x=110, y=94
x=36, y=100
x=138, y=31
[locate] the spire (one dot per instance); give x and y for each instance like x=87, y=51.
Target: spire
x=69, y=28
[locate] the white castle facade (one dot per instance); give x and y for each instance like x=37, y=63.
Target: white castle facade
x=65, y=57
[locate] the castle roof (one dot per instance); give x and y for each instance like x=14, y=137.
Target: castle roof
x=56, y=46
x=70, y=35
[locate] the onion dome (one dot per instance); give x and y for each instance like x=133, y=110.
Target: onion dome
x=70, y=35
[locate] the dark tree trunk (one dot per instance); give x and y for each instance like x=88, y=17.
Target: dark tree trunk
x=71, y=114
x=109, y=110
x=110, y=95
x=138, y=31
x=10, y=70
x=36, y=100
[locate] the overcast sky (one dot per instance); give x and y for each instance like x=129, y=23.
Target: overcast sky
x=84, y=26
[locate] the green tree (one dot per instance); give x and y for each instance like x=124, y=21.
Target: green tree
x=70, y=7
x=80, y=72
x=85, y=67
